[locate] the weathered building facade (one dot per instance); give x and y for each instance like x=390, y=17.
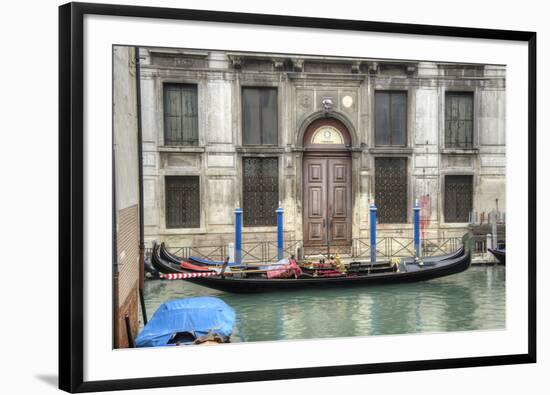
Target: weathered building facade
x=322, y=136
x=126, y=242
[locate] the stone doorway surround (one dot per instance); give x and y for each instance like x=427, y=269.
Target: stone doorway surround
x=328, y=143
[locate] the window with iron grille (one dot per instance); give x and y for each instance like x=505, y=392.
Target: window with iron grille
x=390, y=118
x=180, y=114
x=182, y=201
x=390, y=189
x=259, y=116
x=260, y=191
x=459, y=120
x=458, y=198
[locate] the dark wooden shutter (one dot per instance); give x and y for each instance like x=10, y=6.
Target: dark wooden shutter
x=458, y=198
x=182, y=202
x=269, y=116
x=382, y=118
x=260, y=191
x=390, y=118
x=260, y=116
x=180, y=114
x=459, y=120
x=390, y=181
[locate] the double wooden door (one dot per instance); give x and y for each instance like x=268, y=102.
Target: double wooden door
x=327, y=201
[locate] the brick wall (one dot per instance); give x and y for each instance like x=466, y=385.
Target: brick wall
x=128, y=272
x=127, y=251
x=128, y=307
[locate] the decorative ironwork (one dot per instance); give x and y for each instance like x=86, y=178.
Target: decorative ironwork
x=265, y=252
x=458, y=198
x=391, y=189
x=260, y=191
x=182, y=202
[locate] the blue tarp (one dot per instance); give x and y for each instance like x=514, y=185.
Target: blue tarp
x=198, y=316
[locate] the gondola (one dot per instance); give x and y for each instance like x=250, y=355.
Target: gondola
x=172, y=258
x=499, y=254
x=198, y=264
x=168, y=266
x=163, y=265
x=408, y=270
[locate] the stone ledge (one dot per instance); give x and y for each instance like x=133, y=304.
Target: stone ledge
x=260, y=150
x=391, y=150
x=182, y=149
x=460, y=151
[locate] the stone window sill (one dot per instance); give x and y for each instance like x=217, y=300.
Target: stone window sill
x=183, y=231
x=183, y=149
x=460, y=151
x=255, y=149
x=391, y=150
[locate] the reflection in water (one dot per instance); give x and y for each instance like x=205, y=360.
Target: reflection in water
x=474, y=299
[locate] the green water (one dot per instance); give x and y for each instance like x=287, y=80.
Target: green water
x=472, y=300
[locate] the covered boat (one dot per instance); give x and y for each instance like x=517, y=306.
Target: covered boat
x=406, y=270
x=500, y=254
x=183, y=321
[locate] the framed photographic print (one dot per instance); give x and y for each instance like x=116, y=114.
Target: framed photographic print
x=308, y=197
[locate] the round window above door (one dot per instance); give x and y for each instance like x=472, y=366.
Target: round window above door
x=326, y=133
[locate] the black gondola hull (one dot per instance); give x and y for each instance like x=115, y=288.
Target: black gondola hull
x=414, y=273
x=162, y=265
x=499, y=254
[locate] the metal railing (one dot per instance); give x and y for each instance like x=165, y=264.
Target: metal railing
x=264, y=252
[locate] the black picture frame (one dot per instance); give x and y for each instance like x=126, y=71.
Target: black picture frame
x=71, y=198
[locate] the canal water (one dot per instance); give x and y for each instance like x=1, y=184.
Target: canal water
x=471, y=300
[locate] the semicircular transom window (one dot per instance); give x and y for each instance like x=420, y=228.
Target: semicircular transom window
x=327, y=135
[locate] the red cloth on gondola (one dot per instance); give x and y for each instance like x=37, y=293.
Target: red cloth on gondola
x=291, y=269
x=195, y=268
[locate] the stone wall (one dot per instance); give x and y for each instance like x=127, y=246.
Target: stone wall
x=126, y=269
x=302, y=85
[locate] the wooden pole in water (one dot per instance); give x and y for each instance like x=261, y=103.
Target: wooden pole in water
x=142, y=301
x=131, y=343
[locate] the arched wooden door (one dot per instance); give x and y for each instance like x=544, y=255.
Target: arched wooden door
x=327, y=194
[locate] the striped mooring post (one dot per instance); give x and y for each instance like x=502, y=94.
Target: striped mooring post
x=280, y=242
x=372, y=209
x=416, y=210
x=238, y=236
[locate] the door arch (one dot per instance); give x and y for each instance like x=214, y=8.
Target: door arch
x=327, y=186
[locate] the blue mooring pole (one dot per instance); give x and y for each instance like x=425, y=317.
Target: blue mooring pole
x=372, y=234
x=280, y=241
x=238, y=236
x=416, y=210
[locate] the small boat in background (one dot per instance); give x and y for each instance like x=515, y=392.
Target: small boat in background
x=188, y=321
x=196, y=264
x=162, y=265
x=176, y=260
x=500, y=254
